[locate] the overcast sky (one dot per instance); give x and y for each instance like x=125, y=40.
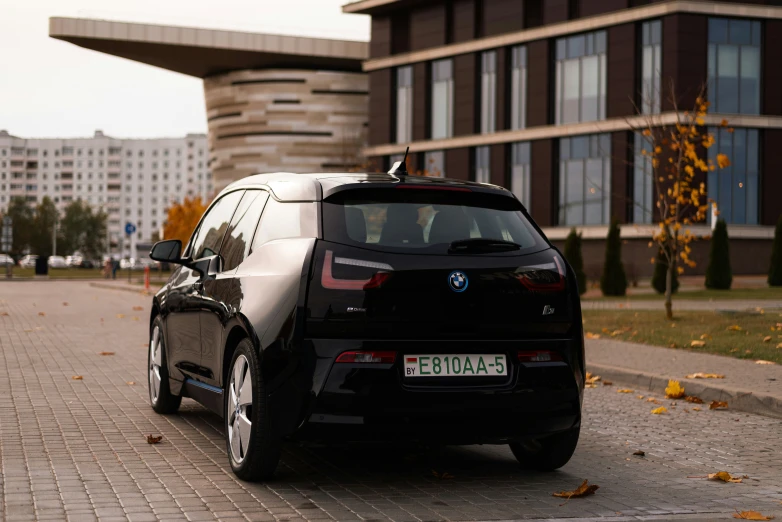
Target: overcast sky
x=51, y=88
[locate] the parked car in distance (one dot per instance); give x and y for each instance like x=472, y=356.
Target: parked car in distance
x=380, y=307
x=28, y=261
x=6, y=260
x=57, y=262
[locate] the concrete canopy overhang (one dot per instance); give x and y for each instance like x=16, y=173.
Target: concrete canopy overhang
x=206, y=52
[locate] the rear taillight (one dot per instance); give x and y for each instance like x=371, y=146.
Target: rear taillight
x=327, y=279
x=367, y=357
x=548, y=277
x=539, y=356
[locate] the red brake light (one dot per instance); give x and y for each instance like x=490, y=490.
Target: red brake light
x=367, y=357
x=539, y=356
x=328, y=280
x=543, y=278
x=432, y=187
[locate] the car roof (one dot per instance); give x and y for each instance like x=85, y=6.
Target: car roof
x=287, y=186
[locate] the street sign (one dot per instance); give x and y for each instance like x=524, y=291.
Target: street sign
x=130, y=228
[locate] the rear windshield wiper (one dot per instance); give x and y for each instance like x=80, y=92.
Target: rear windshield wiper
x=480, y=244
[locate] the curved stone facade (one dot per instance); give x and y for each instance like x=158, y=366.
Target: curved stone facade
x=287, y=120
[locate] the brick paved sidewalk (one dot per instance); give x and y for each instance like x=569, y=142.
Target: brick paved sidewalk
x=747, y=386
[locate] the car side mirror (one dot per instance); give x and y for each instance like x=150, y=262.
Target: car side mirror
x=207, y=266
x=169, y=251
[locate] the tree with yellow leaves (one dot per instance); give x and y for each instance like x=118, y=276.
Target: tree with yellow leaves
x=675, y=163
x=183, y=218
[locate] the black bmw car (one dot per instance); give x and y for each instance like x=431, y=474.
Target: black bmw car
x=370, y=307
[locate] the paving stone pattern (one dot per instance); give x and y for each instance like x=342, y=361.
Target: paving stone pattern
x=76, y=449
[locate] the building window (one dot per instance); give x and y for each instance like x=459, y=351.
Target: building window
x=581, y=78
x=642, y=181
x=404, y=104
x=520, y=172
x=518, y=85
x=735, y=188
x=651, y=66
x=442, y=99
x=482, y=162
x=585, y=180
x=488, y=92
x=734, y=66
x=434, y=163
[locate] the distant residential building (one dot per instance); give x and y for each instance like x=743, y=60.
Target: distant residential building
x=133, y=180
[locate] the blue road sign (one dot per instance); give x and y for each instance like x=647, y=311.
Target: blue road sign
x=130, y=228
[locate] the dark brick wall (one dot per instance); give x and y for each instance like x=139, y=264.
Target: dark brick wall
x=620, y=191
x=502, y=16
x=771, y=75
x=457, y=163
x=771, y=177
x=684, y=58
x=380, y=44
x=380, y=107
x=463, y=20
x=622, y=71
x=555, y=11
x=421, y=95
x=542, y=185
x=427, y=26
x=499, y=164
x=538, y=91
x=465, y=94
x=597, y=7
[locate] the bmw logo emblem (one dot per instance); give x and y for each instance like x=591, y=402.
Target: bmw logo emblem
x=458, y=281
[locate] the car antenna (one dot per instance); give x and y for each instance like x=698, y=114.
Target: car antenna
x=400, y=167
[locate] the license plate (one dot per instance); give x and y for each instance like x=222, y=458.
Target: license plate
x=462, y=365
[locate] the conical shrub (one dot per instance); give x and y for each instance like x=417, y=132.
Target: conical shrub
x=660, y=272
x=575, y=259
x=718, y=273
x=775, y=272
x=614, y=279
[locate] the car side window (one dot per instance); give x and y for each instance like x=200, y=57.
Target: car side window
x=286, y=220
x=236, y=244
x=214, y=225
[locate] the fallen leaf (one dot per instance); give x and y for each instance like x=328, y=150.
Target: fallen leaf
x=734, y=328
x=693, y=399
x=442, y=476
x=639, y=396
x=592, y=379
x=705, y=336
x=3, y=314
x=42, y=314
x=77, y=377
x=696, y=409
x=138, y=308
x=751, y=515
x=640, y=453
x=717, y=404
x=725, y=477
x=778, y=346
x=764, y=362
x=704, y=376
x=660, y=410
x=697, y=344
x=582, y=491
x=131, y=383
x=151, y=439
x=590, y=335
x=767, y=339
x=134, y=318
x=105, y=353
x=674, y=390
x=624, y=390
x=653, y=400
x=120, y=316
x=608, y=383
x=65, y=304
x=590, y=385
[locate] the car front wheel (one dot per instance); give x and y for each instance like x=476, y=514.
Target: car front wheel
x=253, y=449
x=160, y=396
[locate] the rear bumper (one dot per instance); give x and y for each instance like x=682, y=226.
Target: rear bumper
x=376, y=401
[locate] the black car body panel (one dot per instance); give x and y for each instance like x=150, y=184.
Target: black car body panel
x=298, y=296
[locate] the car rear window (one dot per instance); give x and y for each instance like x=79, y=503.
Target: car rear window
x=425, y=221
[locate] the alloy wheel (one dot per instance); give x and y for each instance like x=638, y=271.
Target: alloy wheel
x=155, y=360
x=240, y=402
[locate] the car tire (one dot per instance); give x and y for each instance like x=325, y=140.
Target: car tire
x=160, y=396
x=547, y=454
x=253, y=448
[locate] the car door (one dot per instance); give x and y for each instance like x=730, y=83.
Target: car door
x=221, y=294
x=185, y=298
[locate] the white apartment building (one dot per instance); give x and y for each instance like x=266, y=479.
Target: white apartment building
x=133, y=180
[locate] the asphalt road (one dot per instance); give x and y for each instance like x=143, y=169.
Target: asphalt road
x=77, y=449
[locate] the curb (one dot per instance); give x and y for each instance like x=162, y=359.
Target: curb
x=738, y=399
x=141, y=290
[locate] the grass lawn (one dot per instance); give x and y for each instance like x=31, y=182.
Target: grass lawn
x=718, y=331
x=737, y=293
